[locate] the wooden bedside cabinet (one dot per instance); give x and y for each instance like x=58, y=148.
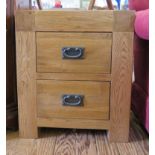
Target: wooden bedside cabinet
x=74, y=70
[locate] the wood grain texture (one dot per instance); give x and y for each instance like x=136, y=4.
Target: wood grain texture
x=74, y=21
x=46, y=144
x=137, y=145
x=65, y=144
x=104, y=147
x=97, y=52
x=18, y=146
x=121, y=85
x=78, y=142
x=95, y=102
x=97, y=35
x=73, y=123
x=123, y=21
x=85, y=143
x=73, y=77
x=26, y=84
x=24, y=20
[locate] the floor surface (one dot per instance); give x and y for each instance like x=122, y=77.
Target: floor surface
x=78, y=142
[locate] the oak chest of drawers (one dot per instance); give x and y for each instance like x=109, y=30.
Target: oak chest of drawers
x=74, y=70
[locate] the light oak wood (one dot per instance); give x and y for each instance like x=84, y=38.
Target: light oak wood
x=25, y=20
x=54, y=20
x=85, y=143
x=26, y=84
x=104, y=147
x=73, y=123
x=74, y=21
x=95, y=102
x=103, y=76
x=137, y=145
x=123, y=21
x=122, y=53
x=46, y=144
x=73, y=76
x=81, y=141
x=97, y=52
x=77, y=20
x=20, y=146
x=65, y=141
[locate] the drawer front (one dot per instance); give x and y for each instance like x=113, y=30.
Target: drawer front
x=74, y=52
x=73, y=99
x=83, y=21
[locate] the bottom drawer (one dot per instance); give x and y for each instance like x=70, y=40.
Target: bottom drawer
x=73, y=99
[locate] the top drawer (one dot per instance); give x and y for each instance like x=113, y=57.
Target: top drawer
x=71, y=20
x=73, y=52
x=94, y=21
